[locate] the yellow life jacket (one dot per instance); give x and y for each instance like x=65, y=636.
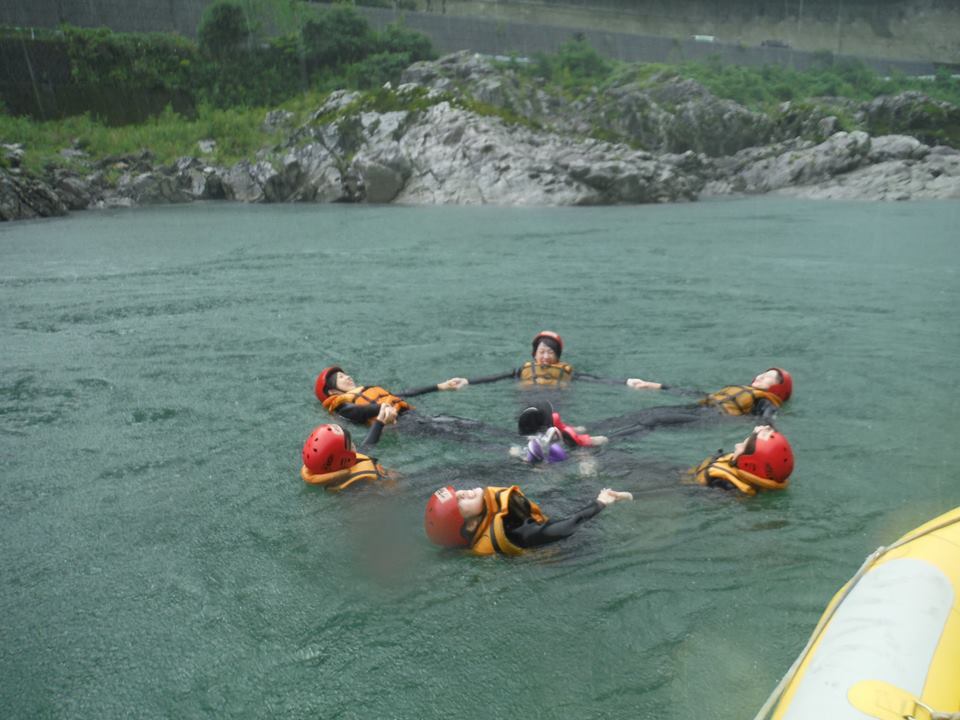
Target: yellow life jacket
x=366, y=396
x=720, y=468
x=366, y=469
x=490, y=537
x=739, y=399
x=552, y=374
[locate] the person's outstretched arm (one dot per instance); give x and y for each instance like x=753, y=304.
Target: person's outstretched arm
x=532, y=534
x=360, y=414
x=452, y=384
x=638, y=384
x=386, y=416
x=491, y=378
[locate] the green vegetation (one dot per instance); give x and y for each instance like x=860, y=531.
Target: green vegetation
x=233, y=63
x=238, y=134
x=577, y=70
x=234, y=76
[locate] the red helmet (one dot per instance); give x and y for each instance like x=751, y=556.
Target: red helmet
x=548, y=335
x=769, y=456
x=443, y=521
x=320, y=389
x=783, y=388
x=328, y=449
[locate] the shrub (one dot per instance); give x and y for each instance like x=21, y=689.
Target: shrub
x=338, y=36
x=223, y=31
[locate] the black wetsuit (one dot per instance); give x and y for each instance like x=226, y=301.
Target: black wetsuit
x=515, y=374
x=362, y=414
x=523, y=531
x=418, y=423
x=639, y=422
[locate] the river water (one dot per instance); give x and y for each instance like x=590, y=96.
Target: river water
x=162, y=558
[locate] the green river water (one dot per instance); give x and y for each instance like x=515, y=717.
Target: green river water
x=161, y=558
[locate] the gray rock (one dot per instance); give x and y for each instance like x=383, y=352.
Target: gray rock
x=12, y=154
x=896, y=147
x=152, y=188
x=317, y=173
x=75, y=191
x=839, y=154
x=240, y=183
x=24, y=197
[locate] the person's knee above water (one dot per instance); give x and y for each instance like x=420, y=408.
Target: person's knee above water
x=762, y=397
x=501, y=520
x=331, y=460
x=361, y=404
x=548, y=436
x=763, y=461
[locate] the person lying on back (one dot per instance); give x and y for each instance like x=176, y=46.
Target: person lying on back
x=501, y=520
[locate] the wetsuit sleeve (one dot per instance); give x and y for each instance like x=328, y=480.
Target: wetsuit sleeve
x=373, y=435
x=532, y=534
x=358, y=413
x=765, y=409
x=493, y=378
x=418, y=391
x=684, y=392
x=577, y=375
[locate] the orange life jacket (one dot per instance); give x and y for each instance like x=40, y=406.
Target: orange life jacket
x=366, y=396
x=490, y=537
x=366, y=469
x=739, y=399
x=720, y=468
x=552, y=374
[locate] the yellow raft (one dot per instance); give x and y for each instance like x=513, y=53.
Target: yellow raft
x=888, y=644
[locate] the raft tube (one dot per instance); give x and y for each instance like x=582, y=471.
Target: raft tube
x=888, y=644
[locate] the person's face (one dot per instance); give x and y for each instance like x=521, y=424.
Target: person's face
x=344, y=382
x=470, y=502
x=749, y=445
x=766, y=380
x=544, y=355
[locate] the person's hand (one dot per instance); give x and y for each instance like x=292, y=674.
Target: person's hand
x=516, y=451
x=387, y=414
x=638, y=384
x=599, y=439
x=608, y=496
x=453, y=384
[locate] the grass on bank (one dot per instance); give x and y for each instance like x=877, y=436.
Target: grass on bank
x=578, y=70
x=238, y=133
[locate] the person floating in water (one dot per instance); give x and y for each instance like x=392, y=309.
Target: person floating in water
x=331, y=460
x=764, y=461
x=545, y=368
x=361, y=404
x=762, y=397
x=548, y=436
x=501, y=520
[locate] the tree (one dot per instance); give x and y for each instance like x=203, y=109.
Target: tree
x=224, y=31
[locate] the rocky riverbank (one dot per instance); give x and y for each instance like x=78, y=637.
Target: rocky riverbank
x=466, y=130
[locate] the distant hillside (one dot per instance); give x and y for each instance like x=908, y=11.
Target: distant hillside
x=894, y=29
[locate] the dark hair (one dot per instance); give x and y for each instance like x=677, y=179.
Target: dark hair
x=549, y=342
x=535, y=418
x=331, y=383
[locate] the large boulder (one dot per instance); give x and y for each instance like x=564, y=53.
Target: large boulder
x=23, y=197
